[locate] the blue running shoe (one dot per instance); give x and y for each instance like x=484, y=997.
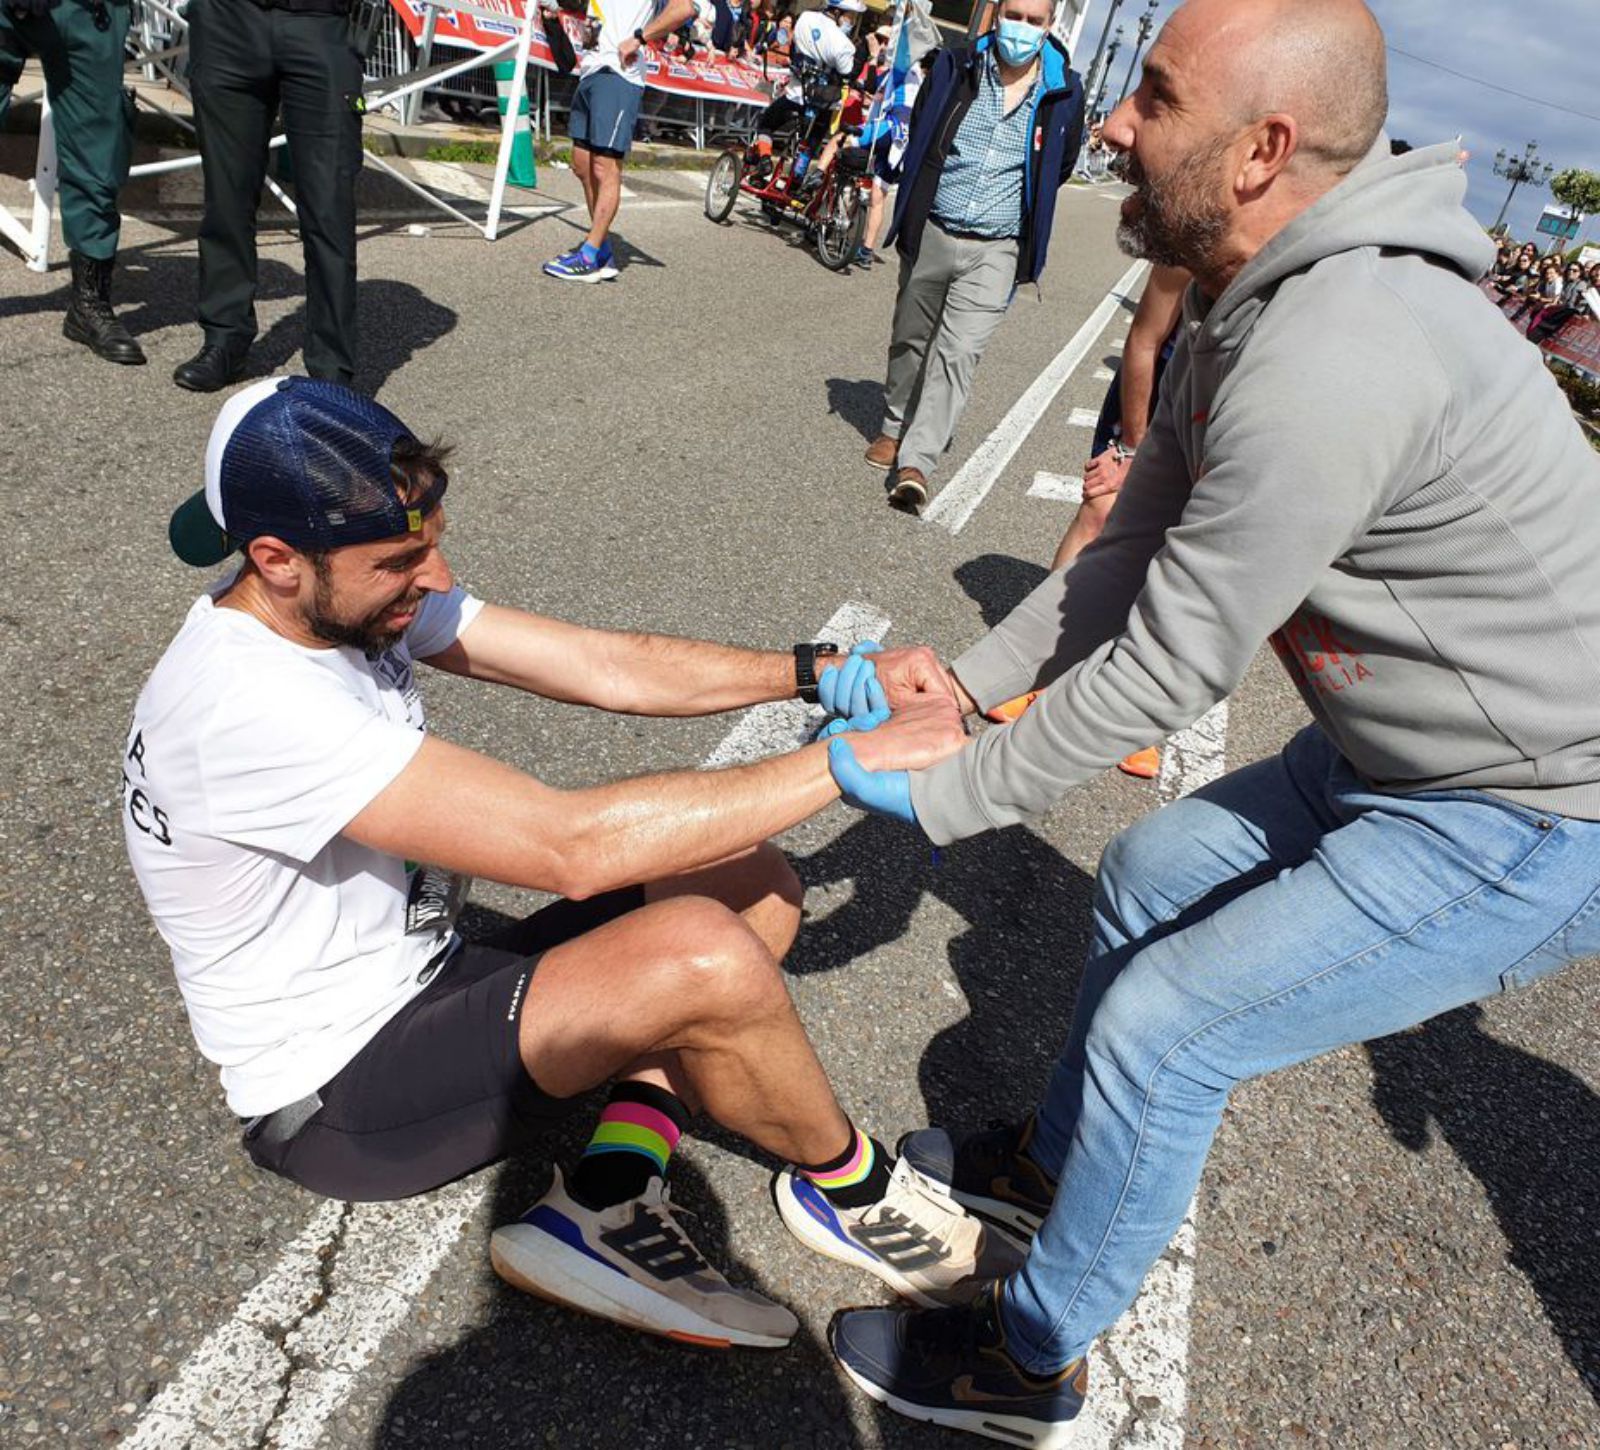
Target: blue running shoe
x=950, y=1367
x=580, y=266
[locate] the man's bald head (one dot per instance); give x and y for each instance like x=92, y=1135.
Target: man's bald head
x=1322, y=62
x=1247, y=112
x=1319, y=61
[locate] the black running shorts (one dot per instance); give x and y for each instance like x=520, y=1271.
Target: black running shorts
x=441, y=1090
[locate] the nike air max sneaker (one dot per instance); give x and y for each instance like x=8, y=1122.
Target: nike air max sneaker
x=634, y=1264
x=951, y=1367
x=920, y=1243
x=989, y=1173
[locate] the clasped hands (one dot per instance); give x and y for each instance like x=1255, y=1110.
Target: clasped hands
x=893, y=712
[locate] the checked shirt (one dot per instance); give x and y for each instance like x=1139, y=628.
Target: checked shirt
x=980, y=191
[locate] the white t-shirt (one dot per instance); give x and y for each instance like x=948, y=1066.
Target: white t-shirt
x=820, y=40
x=247, y=755
x=618, y=20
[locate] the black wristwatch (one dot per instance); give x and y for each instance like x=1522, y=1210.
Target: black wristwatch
x=805, y=668
x=639, y=36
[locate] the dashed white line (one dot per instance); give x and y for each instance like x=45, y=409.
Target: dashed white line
x=1083, y=418
x=1062, y=486
x=276, y=1372
x=958, y=500
x=1102, y=375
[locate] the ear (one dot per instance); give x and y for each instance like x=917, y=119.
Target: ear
x=279, y=565
x=1270, y=146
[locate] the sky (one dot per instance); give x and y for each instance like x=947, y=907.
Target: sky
x=1544, y=48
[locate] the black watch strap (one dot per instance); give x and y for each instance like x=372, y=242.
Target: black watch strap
x=805, y=668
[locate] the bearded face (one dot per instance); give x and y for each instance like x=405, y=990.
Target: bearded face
x=1177, y=218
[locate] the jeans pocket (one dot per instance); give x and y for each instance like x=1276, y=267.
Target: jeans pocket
x=1579, y=938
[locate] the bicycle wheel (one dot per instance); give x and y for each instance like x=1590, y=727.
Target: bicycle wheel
x=843, y=224
x=722, y=185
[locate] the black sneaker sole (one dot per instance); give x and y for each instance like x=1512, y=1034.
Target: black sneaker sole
x=1012, y=1429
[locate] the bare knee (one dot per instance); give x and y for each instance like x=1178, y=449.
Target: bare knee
x=714, y=964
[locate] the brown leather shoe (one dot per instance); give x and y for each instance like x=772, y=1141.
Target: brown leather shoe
x=910, y=491
x=882, y=450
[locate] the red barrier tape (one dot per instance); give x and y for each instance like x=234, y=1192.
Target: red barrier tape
x=706, y=80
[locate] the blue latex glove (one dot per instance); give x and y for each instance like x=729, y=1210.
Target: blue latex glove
x=870, y=721
x=852, y=688
x=888, y=792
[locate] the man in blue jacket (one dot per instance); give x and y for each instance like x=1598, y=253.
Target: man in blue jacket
x=995, y=132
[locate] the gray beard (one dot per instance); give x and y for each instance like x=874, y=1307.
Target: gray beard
x=1180, y=222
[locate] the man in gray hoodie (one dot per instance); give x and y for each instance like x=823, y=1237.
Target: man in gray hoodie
x=1355, y=460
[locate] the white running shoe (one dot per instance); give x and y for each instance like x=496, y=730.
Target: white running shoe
x=922, y=1244
x=634, y=1264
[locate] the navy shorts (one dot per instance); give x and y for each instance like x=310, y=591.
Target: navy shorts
x=441, y=1090
x=603, y=113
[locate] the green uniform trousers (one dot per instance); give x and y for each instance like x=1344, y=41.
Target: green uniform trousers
x=246, y=62
x=92, y=112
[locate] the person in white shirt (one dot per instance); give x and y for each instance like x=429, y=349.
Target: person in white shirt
x=280, y=789
x=821, y=55
x=604, y=110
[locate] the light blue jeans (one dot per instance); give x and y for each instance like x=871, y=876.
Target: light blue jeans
x=1278, y=914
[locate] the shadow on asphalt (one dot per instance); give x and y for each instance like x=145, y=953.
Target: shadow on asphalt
x=1529, y=1132
x=998, y=583
x=1016, y=965
x=859, y=401
x=156, y=289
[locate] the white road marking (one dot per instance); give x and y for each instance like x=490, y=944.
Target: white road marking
x=782, y=725
x=276, y=1372
x=1102, y=375
x=1083, y=418
x=958, y=499
x=1117, y=343
x=1061, y=486
x=1148, y=1348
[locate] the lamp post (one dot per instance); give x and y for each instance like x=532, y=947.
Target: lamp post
x=1093, y=73
x=1105, y=74
x=1146, y=25
x=1518, y=169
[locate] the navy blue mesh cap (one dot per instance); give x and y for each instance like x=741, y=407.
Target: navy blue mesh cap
x=305, y=461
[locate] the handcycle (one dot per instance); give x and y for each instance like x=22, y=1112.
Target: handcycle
x=833, y=212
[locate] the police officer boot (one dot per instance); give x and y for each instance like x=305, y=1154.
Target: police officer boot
x=90, y=320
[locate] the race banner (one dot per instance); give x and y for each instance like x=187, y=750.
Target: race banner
x=1575, y=341
x=711, y=80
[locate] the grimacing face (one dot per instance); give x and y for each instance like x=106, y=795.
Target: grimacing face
x=367, y=595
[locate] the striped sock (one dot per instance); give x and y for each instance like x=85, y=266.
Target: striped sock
x=639, y=1127
x=857, y=1177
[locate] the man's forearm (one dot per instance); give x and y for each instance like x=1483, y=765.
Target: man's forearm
x=643, y=830
x=673, y=17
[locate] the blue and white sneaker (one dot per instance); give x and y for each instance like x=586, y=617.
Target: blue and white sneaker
x=579, y=266
x=951, y=1367
x=634, y=1264
x=922, y=1244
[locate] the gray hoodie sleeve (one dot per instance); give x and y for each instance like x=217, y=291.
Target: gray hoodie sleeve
x=1288, y=479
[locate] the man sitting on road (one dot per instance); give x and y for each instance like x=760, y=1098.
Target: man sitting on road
x=994, y=135
x=279, y=789
x=605, y=108
x=1352, y=460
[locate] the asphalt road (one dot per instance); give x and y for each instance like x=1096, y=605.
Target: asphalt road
x=1396, y=1246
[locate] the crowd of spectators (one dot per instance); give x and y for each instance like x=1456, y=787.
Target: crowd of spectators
x=1544, y=290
